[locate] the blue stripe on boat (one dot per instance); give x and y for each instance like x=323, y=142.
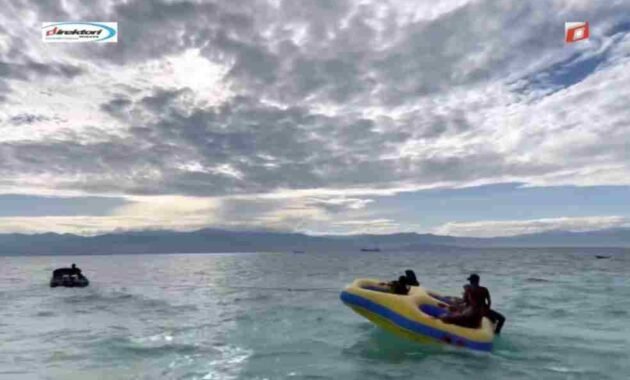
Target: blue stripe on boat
x=411, y=325
x=433, y=311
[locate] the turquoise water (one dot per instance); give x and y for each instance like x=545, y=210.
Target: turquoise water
x=201, y=317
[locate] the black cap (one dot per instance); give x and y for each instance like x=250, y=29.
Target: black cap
x=473, y=277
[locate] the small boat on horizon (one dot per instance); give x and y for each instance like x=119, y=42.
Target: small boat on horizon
x=370, y=249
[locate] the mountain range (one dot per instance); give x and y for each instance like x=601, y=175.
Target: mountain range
x=215, y=241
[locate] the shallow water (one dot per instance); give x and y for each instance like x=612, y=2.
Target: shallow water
x=202, y=317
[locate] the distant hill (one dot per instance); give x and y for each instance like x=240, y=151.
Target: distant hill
x=213, y=240
x=617, y=237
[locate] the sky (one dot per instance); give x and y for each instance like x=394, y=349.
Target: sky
x=464, y=118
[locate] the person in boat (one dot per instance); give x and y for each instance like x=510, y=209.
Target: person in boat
x=481, y=295
x=76, y=271
x=462, y=312
x=411, y=279
x=476, y=295
x=402, y=285
x=476, y=305
x=399, y=286
x=456, y=303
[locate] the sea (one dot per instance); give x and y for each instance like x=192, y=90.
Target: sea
x=278, y=316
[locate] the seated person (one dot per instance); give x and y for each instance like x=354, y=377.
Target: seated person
x=457, y=303
x=477, y=305
x=466, y=311
x=479, y=297
x=411, y=278
x=399, y=286
x=76, y=270
x=468, y=317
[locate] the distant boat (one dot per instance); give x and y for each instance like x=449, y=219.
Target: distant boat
x=602, y=257
x=298, y=251
x=69, y=278
x=370, y=249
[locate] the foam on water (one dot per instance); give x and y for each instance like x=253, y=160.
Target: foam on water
x=232, y=317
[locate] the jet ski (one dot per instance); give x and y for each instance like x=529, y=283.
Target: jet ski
x=69, y=278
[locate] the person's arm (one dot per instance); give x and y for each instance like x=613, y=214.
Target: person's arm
x=466, y=297
x=488, y=297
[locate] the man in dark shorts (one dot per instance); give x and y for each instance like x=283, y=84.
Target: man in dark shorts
x=478, y=297
x=465, y=312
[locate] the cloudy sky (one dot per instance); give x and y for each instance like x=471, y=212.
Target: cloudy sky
x=470, y=118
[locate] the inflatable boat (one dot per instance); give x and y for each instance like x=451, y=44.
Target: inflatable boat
x=415, y=315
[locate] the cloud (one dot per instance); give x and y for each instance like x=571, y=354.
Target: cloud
x=366, y=226
x=494, y=228
x=32, y=70
x=191, y=213
x=27, y=118
x=325, y=100
x=575, y=68
x=270, y=148
x=338, y=101
x=14, y=205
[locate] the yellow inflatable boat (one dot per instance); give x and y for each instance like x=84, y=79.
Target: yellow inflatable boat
x=415, y=315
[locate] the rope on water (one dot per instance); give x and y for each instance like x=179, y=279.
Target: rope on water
x=332, y=290
x=237, y=287
x=253, y=288
x=210, y=286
